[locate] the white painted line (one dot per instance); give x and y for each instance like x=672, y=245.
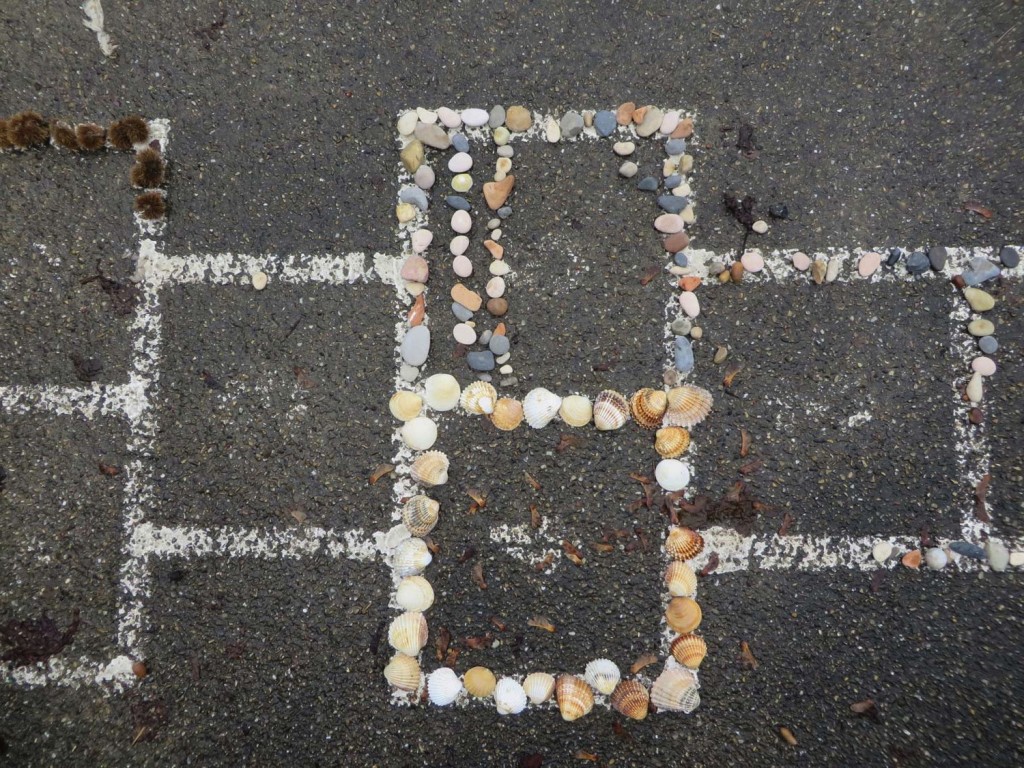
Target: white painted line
x=93, y=10
x=115, y=674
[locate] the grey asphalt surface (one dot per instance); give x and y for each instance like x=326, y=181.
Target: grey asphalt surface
x=875, y=124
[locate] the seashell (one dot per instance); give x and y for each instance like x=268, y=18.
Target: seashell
x=403, y=672
x=576, y=410
x=672, y=475
x=419, y=433
x=479, y=681
x=689, y=650
x=405, y=405
x=680, y=579
x=441, y=391
x=408, y=633
x=611, y=410
x=479, y=397
x=683, y=614
x=687, y=406
x=935, y=558
x=540, y=406
x=630, y=698
x=675, y=690
x=683, y=543
x=539, y=686
x=443, y=686
x=648, y=406
x=411, y=557
x=575, y=697
x=420, y=515
x=430, y=469
x=414, y=593
x=509, y=697
x=508, y=414
x=997, y=554
x=602, y=675
x=671, y=442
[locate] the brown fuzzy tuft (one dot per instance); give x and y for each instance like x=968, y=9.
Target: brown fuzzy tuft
x=27, y=129
x=127, y=131
x=151, y=205
x=5, y=143
x=148, y=170
x=90, y=136
x=63, y=135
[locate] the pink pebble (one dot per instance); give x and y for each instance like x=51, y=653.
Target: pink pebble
x=462, y=222
x=462, y=266
x=752, y=261
x=986, y=366
x=869, y=264
x=689, y=304
x=669, y=223
x=415, y=269
x=459, y=245
x=801, y=261
x=421, y=240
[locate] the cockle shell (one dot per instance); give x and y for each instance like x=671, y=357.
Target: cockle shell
x=688, y=406
x=408, y=633
x=508, y=414
x=575, y=697
x=430, y=469
x=411, y=557
x=689, y=650
x=420, y=514
x=576, y=410
x=671, y=442
x=479, y=397
x=602, y=675
x=631, y=699
x=611, y=410
x=540, y=406
x=539, y=686
x=509, y=697
x=414, y=593
x=675, y=690
x=419, y=433
x=403, y=672
x=680, y=579
x=672, y=475
x=479, y=681
x=405, y=405
x=441, y=391
x=648, y=406
x=683, y=614
x=443, y=686
x=683, y=543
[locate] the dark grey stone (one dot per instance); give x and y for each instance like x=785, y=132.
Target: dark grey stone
x=673, y=181
x=647, y=184
x=937, y=257
x=461, y=313
x=458, y=202
x=917, y=263
x=571, y=124
x=1009, y=256
x=672, y=203
x=480, y=361
x=499, y=344
x=604, y=123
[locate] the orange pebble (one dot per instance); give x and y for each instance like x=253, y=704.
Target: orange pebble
x=417, y=311
x=500, y=330
x=689, y=283
x=912, y=559
x=495, y=249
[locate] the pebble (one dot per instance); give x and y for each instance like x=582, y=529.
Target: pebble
x=689, y=304
x=462, y=222
x=624, y=114
x=408, y=372
x=818, y=270
x=676, y=242
x=988, y=344
x=696, y=332
x=998, y=555
x=975, y=388
x=433, y=135
x=497, y=307
x=680, y=259
x=503, y=358
x=966, y=549
x=469, y=299
x=499, y=344
x=505, y=211
x=975, y=416
x=424, y=177
x=720, y=354
x=485, y=337
x=979, y=300
x=460, y=143
x=426, y=115
x=416, y=345
x=494, y=223
x=981, y=327
x=668, y=223
x=752, y=261
x=475, y=117
x=981, y=271
x=669, y=123
x=760, y=226
x=415, y=269
x=628, y=169
x=647, y=184
x=460, y=162
x=449, y=117
x=832, y=273
x=673, y=181
x=685, y=163
x=497, y=192
x=259, y=280
x=461, y=313
x=505, y=370
x=496, y=234
x=458, y=202
x=1009, y=256
x=405, y=212
x=882, y=551
x=681, y=326
x=935, y=558
x=801, y=261
x=499, y=268
x=604, y=123
x=480, y=361
x=415, y=196
x=458, y=245
x=937, y=257
x=496, y=117
x=675, y=146
x=552, y=133
x=623, y=148
x=571, y=124
x=778, y=211
x=462, y=182
x=1017, y=559
x=504, y=165
x=684, y=129
x=506, y=150
x=501, y=136
x=917, y=263
x=496, y=287
x=407, y=123
x=511, y=381
x=414, y=289
x=986, y=366
x=683, y=355
x=895, y=254
x=688, y=215
x=464, y=334
x=462, y=266
x=715, y=268
x=672, y=204
x=651, y=122
x=869, y=264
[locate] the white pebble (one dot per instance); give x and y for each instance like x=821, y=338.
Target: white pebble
x=499, y=267
x=986, y=366
x=460, y=162
x=801, y=261
x=623, y=148
x=449, y=117
x=760, y=226
x=504, y=165
x=689, y=304
x=475, y=117
x=421, y=240
x=975, y=388
x=505, y=369
x=496, y=234
x=259, y=280
x=998, y=555
x=552, y=132
x=464, y=334
x=496, y=287
x=426, y=115
x=462, y=266
x=458, y=245
x=628, y=169
x=407, y=123
x=503, y=359
x=935, y=558
x=882, y=551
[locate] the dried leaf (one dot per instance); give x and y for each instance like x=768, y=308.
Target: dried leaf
x=298, y=515
x=480, y=642
x=602, y=547
x=650, y=273
x=876, y=581
x=611, y=362
x=867, y=708
x=442, y=639
x=381, y=471
x=109, y=469
x=787, y=521
x=576, y=559
x=87, y=369
x=569, y=548
x=543, y=565
x=417, y=311
x=467, y=554
x=980, y=492
x=478, y=575
x=35, y=640
x=534, y=517
x=975, y=207
x=744, y=443
x=619, y=730
x=479, y=497
x=751, y=467
x=209, y=380
x=748, y=655
x=745, y=141
x=584, y=755
x=711, y=565
x=787, y=736
x=643, y=660
x=566, y=442
x=535, y=760
x=533, y=483
x=541, y=622
x=302, y=379
x=498, y=624
x=433, y=546
x=731, y=371
x=741, y=210
x=452, y=658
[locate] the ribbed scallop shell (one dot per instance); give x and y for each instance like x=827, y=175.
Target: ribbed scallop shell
x=575, y=697
x=408, y=633
x=414, y=593
x=430, y=469
x=509, y=697
x=671, y=442
x=479, y=397
x=631, y=699
x=479, y=681
x=602, y=675
x=648, y=406
x=680, y=579
x=576, y=410
x=689, y=650
x=443, y=686
x=441, y=391
x=539, y=686
x=405, y=405
x=683, y=614
x=611, y=410
x=540, y=406
x=411, y=557
x=688, y=406
x=403, y=672
x=675, y=690
x=508, y=414
x=420, y=514
x=683, y=543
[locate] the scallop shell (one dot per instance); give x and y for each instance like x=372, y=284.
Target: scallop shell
x=671, y=442
x=420, y=515
x=611, y=410
x=631, y=699
x=672, y=475
x=680, y=579
x=441, y=391
x=683, y=614
x=509, y=697
x=675, y=690
x=443, y=686
x=540, y=406
x=648, y=406
x=420, y=433
x=479, y=397
x=408, y=633
x=411, y=557
x=405, y=405
x=430, y=469
x=689, y=650
x=539, y=686
x=576, y=410
x=602, y=675
x=575, y=697
x=508, y=414
x=403, y=672
x=688, y=406
x=683, y=543
x=479, y=681
x=414, y=593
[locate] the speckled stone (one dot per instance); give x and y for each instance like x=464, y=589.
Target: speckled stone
x=604, y=123
x=497, y=307
x=416, y=345
x=480, y=360
x=981, y=327
x=458, y=202
x=681, y=326
x=499, y=344
x=917, y=263
x=571, y=124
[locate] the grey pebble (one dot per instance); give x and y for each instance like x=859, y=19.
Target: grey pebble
x=895, y=254
x=479, y=361
x=917, y=263
x=988, y=344
x=673, y=181
x=457, y=202
x=981, y=271
x=462, y=314
x=416, y=345
x=715, y=268
x=672, y=203
x=499, y=344
x=505, y=211
x=675, y=146
x=485, y=337
x=496, y=117
x=1009, y=256
x=408, y=372
x=571, y=124
x=460, y=142
x=416, y=196
x=511, y=381
x=681, y=326
x=505, y=150
x=684, y=355
x=648, y=184
x=681, y=260
x=433, y=135
x=967, y=549
x=937, y=256
x=604, y=123
x=493, y=223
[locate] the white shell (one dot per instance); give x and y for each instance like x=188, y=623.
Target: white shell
x=576, y=410
x=411, y=557
x=419, y=433
x=540, y=406
x=408, y=633
x=479, y=397
x=509, y=697
x=539, y=686
x=443, y=686
x=675, y=690
x=998, y=555
x=602, y=675
x=414, y=593
x=672, y=475
x=935, y=558
x=441, y=391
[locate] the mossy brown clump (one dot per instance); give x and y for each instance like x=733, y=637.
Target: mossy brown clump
x=63, y=135
x=128, y=131
x=91, y=136
x=148, y=170
x=27, y=129
x=5, y=143
x=150, y=205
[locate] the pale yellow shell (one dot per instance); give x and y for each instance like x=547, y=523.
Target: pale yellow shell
x=408, y=633
x=405, y=406
x=611, y=410
x=631, y=699
x=689, y=650
x=479, y=397
x=648, y=406
x=430, y=469
x=675, y=690
x=575, y=697
x=680, y=579
x=671, y=442
x=480, y=682
x=576, y=410
x=683, y=614
x=441, y=391
x=414, y=593
x=683, y=543
x=508, y=414
x=539, y=686
x=403, y=672
x=688, y=406
x=420, y=514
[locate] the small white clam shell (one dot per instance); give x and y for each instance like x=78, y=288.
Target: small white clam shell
x=935, y=558
x=509, y=697
x=576, y=410
x=672, y=475
x=602, y=675
x=411, y=557
x=414, y=593
x=419, y=433
x=540, y=406
x=539, y=686
x=443, y=686
x=408, y=633
x=441, y=391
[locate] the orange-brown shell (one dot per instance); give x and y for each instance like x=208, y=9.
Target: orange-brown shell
x=671, y=442
x=480, y=682
x=688, y=406
x=912, y=559
x=689, y=650
x=683, y=543
x=611, y=410
x=683, y=614
x=648, y=406
x=508, y=414
x=631, y=699
x=575, y=697
x=680, y=579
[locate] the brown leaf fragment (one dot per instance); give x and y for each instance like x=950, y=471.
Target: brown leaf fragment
x=741, y=210
x=787, y=736
x=478, y=575
x=479, y=497
x=565, y=442
x=109, y=469
x=124, y=297
x=194, y=670
x=731, y=371
x=33, y=641
x=569, y=548
x=787, y=521
x=751, y=467
x=744, y=443
x=582, y=754
x=603, y=548
x=479, y=642
x=650, y=273
x=533, y=483
x=498, y=624
x=535, y=519
x=442, y=640
x=876, y=581
x=867, y=708
x=209, y=380
x=712, y=563
x=298, y=515
x=974, y=206
x=381, y=471
x=747, y=655
x=467, y=554
x=576, y=559
x=433, y=546
x=541, y=622
x=302, y=379
x=453, y=657
x=619, y=730
x=643, y=660
x=980, y=492
x=543, y=565
x=609, y=363
x=534, y=760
